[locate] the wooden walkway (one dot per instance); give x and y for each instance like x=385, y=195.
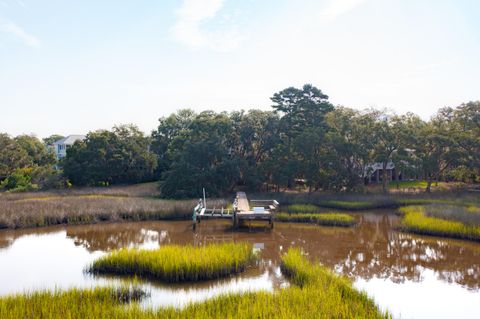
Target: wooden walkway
x=242, y=202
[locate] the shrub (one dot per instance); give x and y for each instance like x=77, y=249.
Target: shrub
x=19, y=181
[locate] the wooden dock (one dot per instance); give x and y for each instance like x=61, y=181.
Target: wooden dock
x=243, y=209
x=242, y=202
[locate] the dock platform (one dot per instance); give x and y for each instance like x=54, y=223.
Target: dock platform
x=243, y=209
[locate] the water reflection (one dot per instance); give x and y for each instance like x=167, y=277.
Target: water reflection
x=264, y=276
x=373, y=254
x=371, y=250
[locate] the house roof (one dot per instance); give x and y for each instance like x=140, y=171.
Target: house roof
x=376, y=166
x=70, y=139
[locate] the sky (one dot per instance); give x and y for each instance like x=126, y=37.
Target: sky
x=70, y=67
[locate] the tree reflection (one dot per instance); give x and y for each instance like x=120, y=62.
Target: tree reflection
x=373, y=249
x=119, y=235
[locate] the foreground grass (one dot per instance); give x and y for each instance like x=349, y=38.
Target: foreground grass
x=315, y=293
x=420, y=220
x=326, y=219
x=74, y=303
x=340, y=297
x=174, y=263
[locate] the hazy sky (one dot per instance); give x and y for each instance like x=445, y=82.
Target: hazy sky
x=70, y=66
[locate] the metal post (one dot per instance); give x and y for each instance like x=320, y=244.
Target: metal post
x=194, y=217
x=204, y=199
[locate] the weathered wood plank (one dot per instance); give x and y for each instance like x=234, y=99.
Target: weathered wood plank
x=243, y=205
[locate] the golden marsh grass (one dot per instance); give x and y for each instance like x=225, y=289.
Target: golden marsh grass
x=316, y=292
x=173, y=263
x=416, y=219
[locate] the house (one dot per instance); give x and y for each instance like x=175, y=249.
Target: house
x=60, y=147
x=374, y=173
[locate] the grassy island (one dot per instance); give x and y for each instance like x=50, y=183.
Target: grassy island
x=174, y=263
x=442, y=220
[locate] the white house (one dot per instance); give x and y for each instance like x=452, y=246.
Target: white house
x=63, y=144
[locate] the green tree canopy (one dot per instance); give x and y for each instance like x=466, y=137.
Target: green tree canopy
x=52, y=138
x=203, y=158
x=110, y=157
x=301, y=108
x=38, y=151
x=12, y=156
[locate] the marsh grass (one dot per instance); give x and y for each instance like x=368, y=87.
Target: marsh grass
x=135, y=190
x=74, y=303
x=421, y=185
x=316, y=292
x=366, y=201
x=445, y=221
x=140, y=202
x=326, y=219
x=26, y=210
x=356, y=205
x=468, y=215
x=174, y=263
x=302, y=208
x=409, y=184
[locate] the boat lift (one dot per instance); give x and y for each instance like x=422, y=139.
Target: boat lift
x=241, y=210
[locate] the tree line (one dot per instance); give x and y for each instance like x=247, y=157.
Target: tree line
x=303, y=138
x=27, y=164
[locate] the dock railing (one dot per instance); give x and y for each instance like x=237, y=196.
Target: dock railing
x=242, y=209
x=270, y=204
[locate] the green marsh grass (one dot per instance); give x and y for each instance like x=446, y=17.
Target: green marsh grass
x=315, y=292
x=355, y=205
x=420, y=220
x=173, y=263
x=421, y=185
x=302, y=208
x=408, y=184
x=365, y=201
x=326, y=219
x=74, y=303
x=469, y=215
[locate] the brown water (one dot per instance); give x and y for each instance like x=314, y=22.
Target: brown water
x=411, y=276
